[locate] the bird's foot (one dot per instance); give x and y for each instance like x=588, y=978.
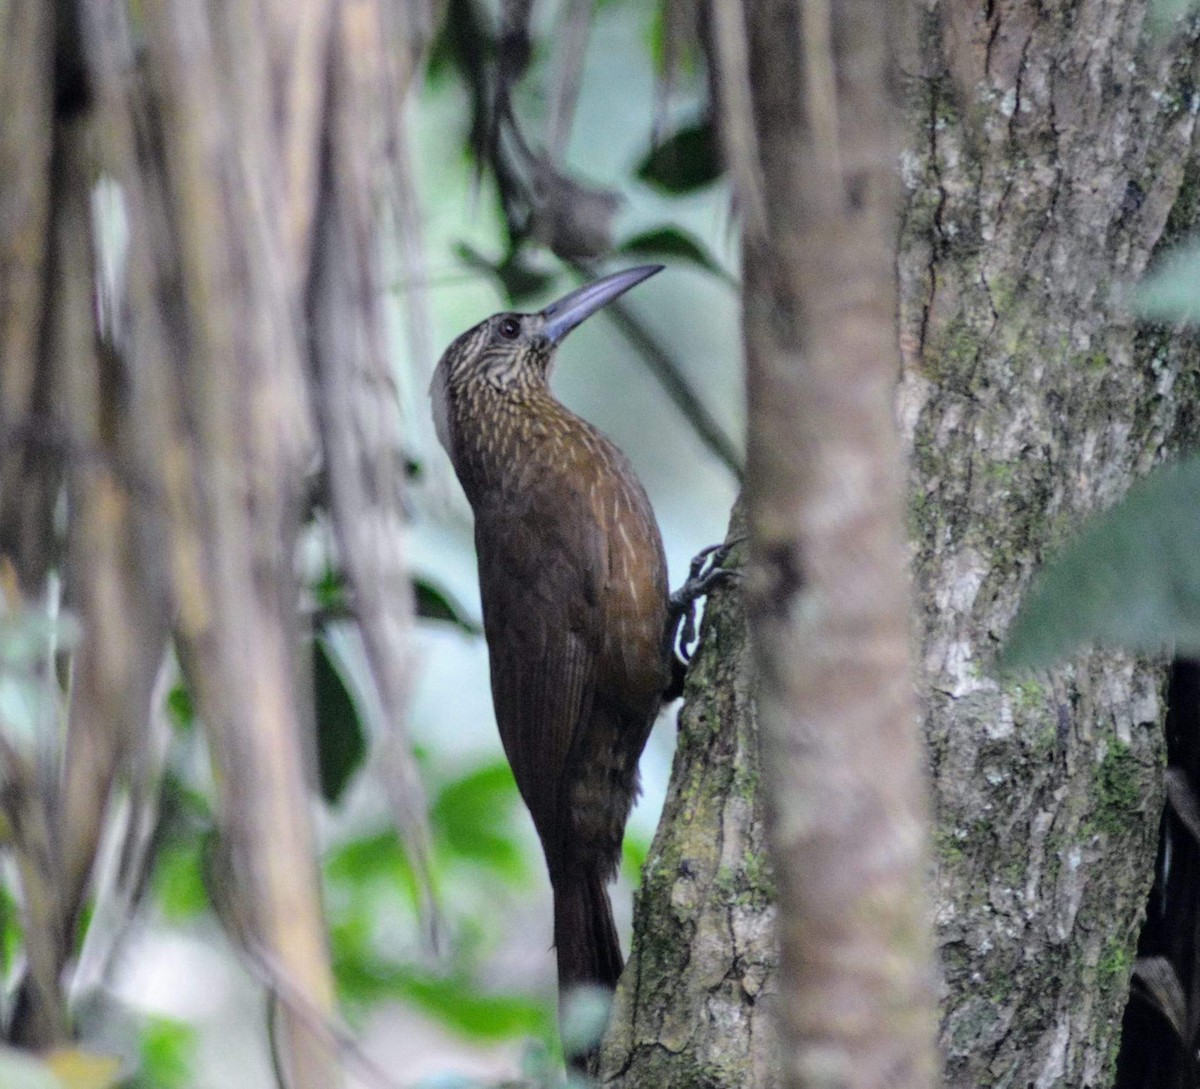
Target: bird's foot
x=705, y=574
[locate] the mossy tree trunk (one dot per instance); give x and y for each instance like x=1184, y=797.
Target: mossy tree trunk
x=693, y=1007
x=1050, y=145
x=1050, y=151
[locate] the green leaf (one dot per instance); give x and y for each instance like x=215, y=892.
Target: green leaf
x=682, y=53
x=1130, y=578
x=457, y=1004
x=180, y=708
x=341, y=740
x=12, y=937
x=434, y=603
x=1172, y=291
x=671, y=243
x=179, y=880
x=168, y=1050
x=186, y=833
x=687, y=160
x=329, y=591
x=634, y=850
x=379, y=855
x=471, y=817
x=366, y=978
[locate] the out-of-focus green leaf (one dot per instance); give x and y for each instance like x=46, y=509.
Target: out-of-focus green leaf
x=362, y=979
x=168, y=1050
x=21, y=1071
x=186, y=828
x=471, y=817
x=341, y=740
x=666, y=48
x=11, y=935
x=634, y=850
x=673, y=244
x=367, y=879
x=375, y=856
x=1130, y=578
x=366, y=978
x=457, y=1004
x=463, y=46
x=329, y=591
x=687, y=160
x=1172, y=291
x=434, y=603
x=180, y=708
x=179, y=880
x=86, y=914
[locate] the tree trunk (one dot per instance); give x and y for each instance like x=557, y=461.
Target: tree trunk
x=693, y=1008
x=1050, y=152
x=1051, y=144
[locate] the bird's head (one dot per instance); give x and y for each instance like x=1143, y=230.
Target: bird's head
x=511, y=351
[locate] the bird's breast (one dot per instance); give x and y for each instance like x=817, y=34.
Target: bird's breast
x=585, y=527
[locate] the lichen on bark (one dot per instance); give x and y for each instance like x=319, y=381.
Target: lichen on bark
x=1052, y=145
x=692, y=1009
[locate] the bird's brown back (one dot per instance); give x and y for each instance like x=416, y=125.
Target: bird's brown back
x=574, y=588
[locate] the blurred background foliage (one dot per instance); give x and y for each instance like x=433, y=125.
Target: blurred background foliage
x=618, y=99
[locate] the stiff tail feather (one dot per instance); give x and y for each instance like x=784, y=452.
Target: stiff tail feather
x=585, y=938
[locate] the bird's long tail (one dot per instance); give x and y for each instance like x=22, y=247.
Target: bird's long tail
x=585, y=938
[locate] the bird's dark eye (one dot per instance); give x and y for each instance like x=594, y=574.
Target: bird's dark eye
x=510, y=328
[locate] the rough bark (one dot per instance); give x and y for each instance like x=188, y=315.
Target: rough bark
x=1051, y=146
x=1049, y=152
x=693, y=1008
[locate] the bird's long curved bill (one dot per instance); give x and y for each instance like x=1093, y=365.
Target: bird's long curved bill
x=562, y=316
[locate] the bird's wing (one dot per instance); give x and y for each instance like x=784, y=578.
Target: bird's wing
x=541, y=571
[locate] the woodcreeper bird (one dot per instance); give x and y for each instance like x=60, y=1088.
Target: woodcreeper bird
x=576, y=608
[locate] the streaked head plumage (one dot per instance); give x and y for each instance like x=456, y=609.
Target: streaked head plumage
x=512, y=352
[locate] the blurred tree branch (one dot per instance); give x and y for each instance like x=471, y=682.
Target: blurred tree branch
x=540, y=201
x=251, y=149
x=827, y=595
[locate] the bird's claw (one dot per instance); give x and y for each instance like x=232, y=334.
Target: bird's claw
x=704, y=575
